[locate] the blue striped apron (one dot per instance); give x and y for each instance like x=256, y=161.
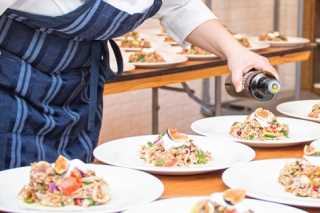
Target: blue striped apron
x=52, y=75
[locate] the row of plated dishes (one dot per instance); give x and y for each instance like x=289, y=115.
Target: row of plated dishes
x=129, y=185
x=145, y=48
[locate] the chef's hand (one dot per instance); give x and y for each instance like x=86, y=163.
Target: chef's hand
x=242, y=61
x=215, y=38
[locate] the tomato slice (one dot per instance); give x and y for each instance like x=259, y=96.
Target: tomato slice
x=170, y=163
x=69, y=185
x=76, y=173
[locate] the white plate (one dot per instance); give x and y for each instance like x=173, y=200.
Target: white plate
x=299, y=130
x=292, y=41
x=316, y=144
x=260, y=178
x=199, y=57
x=173, y=43
x=125, y=153
x=170, y=59
x=162, y=34
x=185, y=205
x=298, y=109
x=129, y=188
x=130, y=49
x=258, y=46
x=126, y=66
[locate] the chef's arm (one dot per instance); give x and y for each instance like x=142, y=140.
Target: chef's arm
x=212, y=36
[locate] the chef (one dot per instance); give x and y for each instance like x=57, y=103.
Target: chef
x=54, y=62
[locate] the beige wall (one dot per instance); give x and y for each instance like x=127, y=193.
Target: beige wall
x=129, y=114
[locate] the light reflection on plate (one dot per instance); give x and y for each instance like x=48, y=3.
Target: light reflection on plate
x=300, y=131
x=125, y=153
x=129, y=188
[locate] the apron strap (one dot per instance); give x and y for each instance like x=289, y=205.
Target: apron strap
x=118, y=55
x=96, y=52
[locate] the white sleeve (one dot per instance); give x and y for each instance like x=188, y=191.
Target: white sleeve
x=180, y=18
x=5, y=4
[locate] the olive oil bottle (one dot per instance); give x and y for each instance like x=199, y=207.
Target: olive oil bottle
x=259, y=85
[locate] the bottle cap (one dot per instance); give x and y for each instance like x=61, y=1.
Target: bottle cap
x=274, y=86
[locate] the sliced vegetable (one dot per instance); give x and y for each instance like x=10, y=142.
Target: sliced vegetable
x=78, y=202
x=282, y=38
x=76, y=173
x=270, y=134
x=170, y=163
x=69, y=185
x=53, y=187
x=141, y=58
x=159, y=163
x=87, y=183
x=91, y=201
x=29, y=200
x=201, y=157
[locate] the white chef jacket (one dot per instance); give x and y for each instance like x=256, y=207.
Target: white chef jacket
x=178, y=17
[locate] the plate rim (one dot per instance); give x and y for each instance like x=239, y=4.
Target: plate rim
x=169, y=170
x=156, y=192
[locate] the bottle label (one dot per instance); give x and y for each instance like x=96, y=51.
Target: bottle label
x=245, y=76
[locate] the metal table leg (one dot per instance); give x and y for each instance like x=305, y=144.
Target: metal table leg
x=298, y=82
x=155, y=110
x=217, y=96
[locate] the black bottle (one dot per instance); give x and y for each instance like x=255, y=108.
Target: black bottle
x=259, y=85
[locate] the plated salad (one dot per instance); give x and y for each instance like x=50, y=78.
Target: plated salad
x=315, y=112
x=146, y=57
x=132, y=34
x=173, y=149
x=260, y=125
x=301, y=178
x=243, y=41
x=273, y=36
x=134, y=43
x=64, y=183
x=194, y=50
x=168, y=39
